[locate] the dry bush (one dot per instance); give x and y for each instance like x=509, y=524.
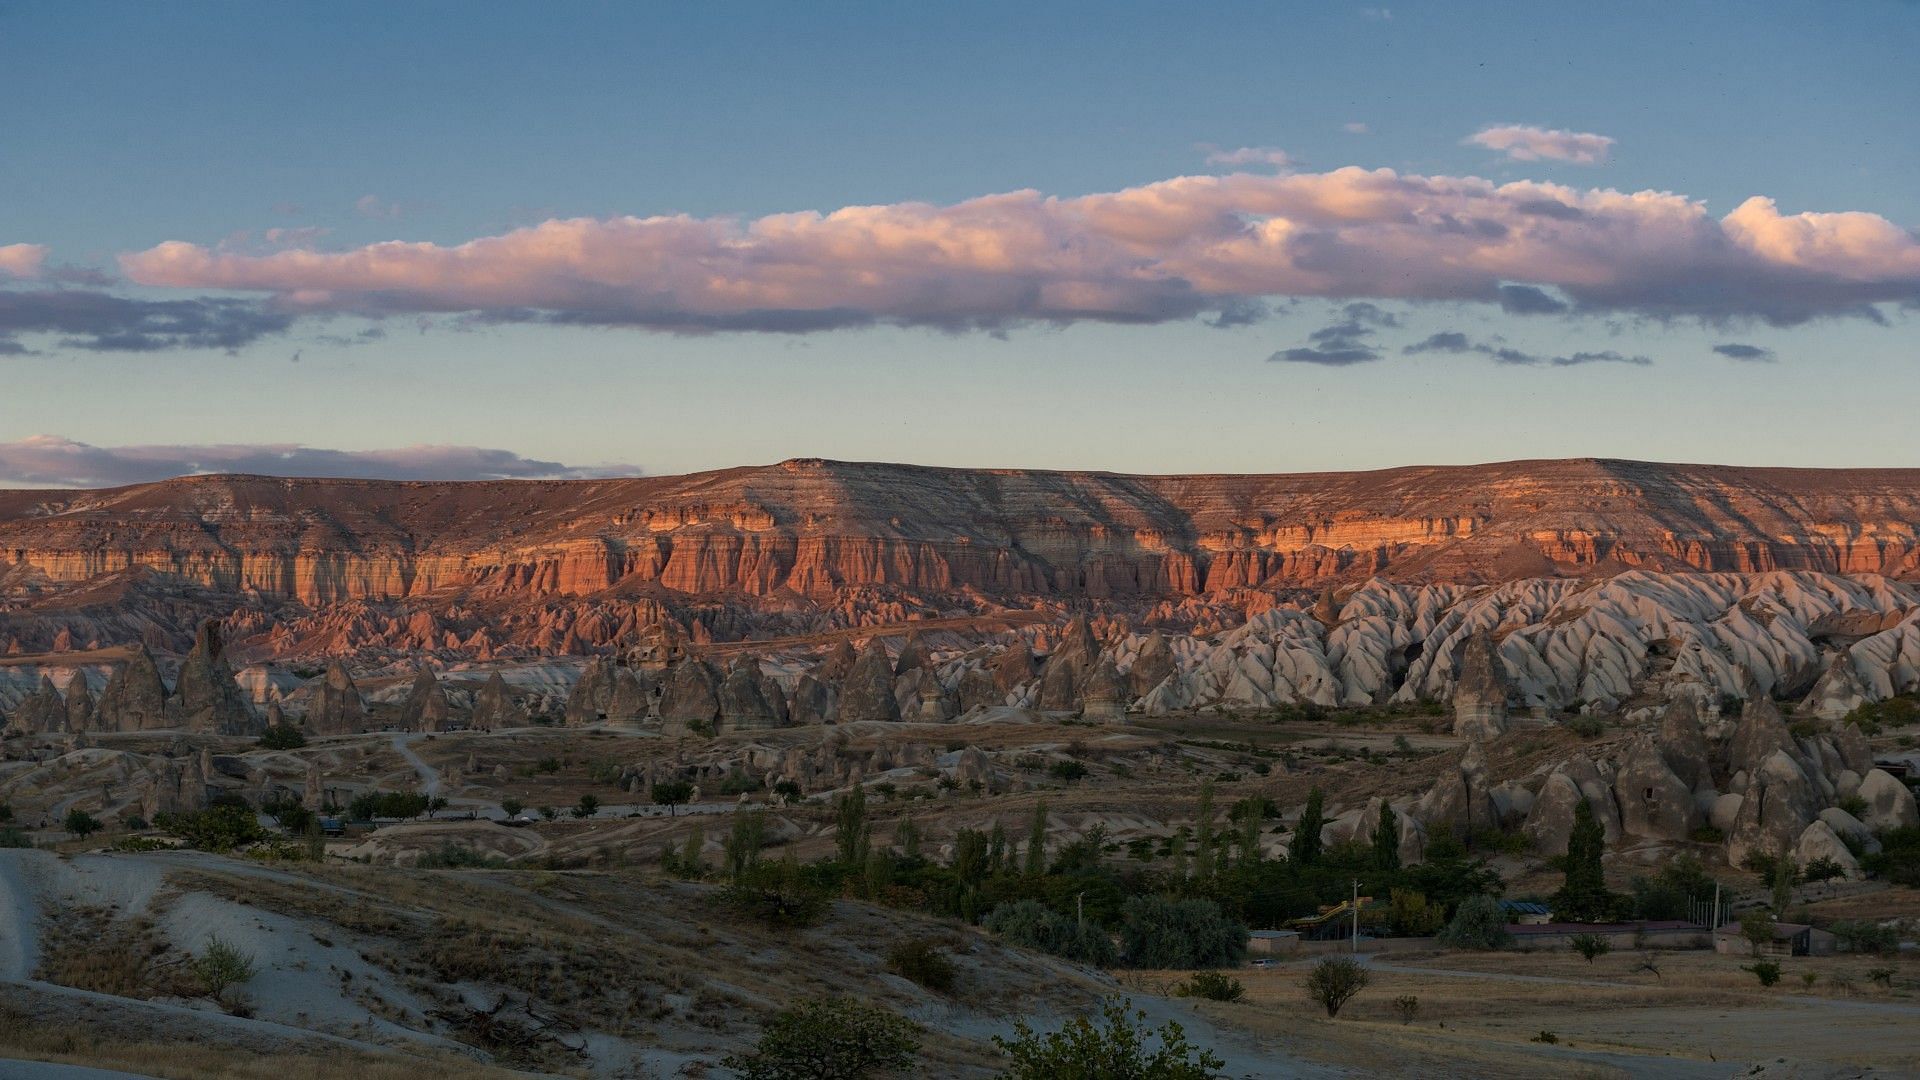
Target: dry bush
x=88, y=948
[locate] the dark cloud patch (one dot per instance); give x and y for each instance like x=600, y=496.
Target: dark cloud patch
x=1529, y=300
x=1237, y=312
x=101, y=322
x=53, y=461
x=1345, y=342
x=1454, y=342
x=1733, y=350
x=1550, y=208
x=1606, y=357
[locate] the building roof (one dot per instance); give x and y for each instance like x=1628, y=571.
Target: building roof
x=1274, y=933
x=1604, y=928
x=1525, y=907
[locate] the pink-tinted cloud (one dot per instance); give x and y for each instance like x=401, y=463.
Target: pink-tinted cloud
x=53, y=461
x=1251, y=155
x=1522, y=142
x=22, y=260
x=1162, y=251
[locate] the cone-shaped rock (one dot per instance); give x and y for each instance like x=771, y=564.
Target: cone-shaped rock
x=1684, y=746
x=632, y=700
x=426, y=707
x=1480, y=694
x=690, y=696
x=1103, y=697
x=1013, y=668
x=867, y=693
x=336, y=707
x=206, y=699
x=80, y=703
x=42, y=712
x=494, y=707
x=914, y=655
x=134, y=699
x=592, y=694
x=743, y=703
x=1654, y=802
x=840, y=660
x=1152, y=665
x=812, y=702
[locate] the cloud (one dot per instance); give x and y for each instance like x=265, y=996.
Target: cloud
x=1165, y=251
x=1453, y=341
x=1522, y=142
x=1377, y=14
x=1356, y=127
x=1528, y=300
x=377, y=209
x=22, y=260
x=1251, y=155
x=1750, y=353
x=1348, y=341
x=53, y=461
x=102, y=322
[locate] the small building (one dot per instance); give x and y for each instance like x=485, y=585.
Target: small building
x=1526, y=912
x=1789, y=939
x=1273, y=942
x=1651, y=934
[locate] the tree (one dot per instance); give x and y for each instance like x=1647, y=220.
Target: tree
x=434, y=804
x=1304, y=847
x=1781, y=880
x=1117, y=1047
x=1333, y=982
x=1584, y=896
x=1203, y=833
x=1823, y=869
x=80, y=823
x=282, y=737
x=221, y=965
x=670, y=794
x=1590, y=946
x=742, y=848
x=838, y=1038
x=907, y=836
x=1386, y=840
x=1407, y=1007
x=850, y=828
x=1031, y=924
x=588, y=806
x=512, y=807
x=1158, y=932
x=1757, y=927
x=1037, y=840
x=1478, y=923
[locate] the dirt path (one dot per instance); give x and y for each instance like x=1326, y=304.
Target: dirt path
x=429, y=776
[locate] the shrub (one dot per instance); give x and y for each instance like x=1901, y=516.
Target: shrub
x=776, y=895
x=1407, y=1007
x=1881, y=977
x=1867, y=937
x=1067, y=771
x=1211, y=985
x=80, y=823
x=835, y=1037
x=1590, y=946
x=221, y=965
x=1031, y=924
x=670, y=794
x=1114, y=1047
x=282, y=737
x=1767, y=971
x=1156, y=932
x=588, y=806
x=512, y=807
x=922, y=962
x=1334, y=981
x=1477, y=924
x=1587, y=727
x=1545, y=1036
x=451, y=856
x=12, y=836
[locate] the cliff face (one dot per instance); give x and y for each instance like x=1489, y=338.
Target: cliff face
x=819, y=528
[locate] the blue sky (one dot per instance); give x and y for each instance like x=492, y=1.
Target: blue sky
x=343, y=125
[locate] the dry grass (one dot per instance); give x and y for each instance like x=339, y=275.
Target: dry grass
x=23, y=1037
x=91, y=948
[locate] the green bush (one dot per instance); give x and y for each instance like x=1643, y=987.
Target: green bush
x=80, y=823
x=221, y=965
x=1031, y=924
x=1478, y=923
x=922, y=962
x=835, y=1037
x=222, y=827
x=451, y=856
x=1115, y=1047
x=282, y=737
x=12, y=836
x=1767, y=971
x=1211, y=985
x=1158, y=932
x=1867, y=937
x=1333, y=981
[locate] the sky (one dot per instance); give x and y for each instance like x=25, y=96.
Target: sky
x=525, y=240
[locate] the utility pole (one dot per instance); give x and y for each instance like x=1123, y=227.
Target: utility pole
x=1080, y=909
x=1716, y=905
x=1356, y=916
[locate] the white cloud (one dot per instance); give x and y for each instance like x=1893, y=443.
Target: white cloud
x=1356, y=127
x=22, y=260
x=1521, y=142
x=1251, y=155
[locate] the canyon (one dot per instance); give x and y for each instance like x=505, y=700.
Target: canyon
x=334, y=566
